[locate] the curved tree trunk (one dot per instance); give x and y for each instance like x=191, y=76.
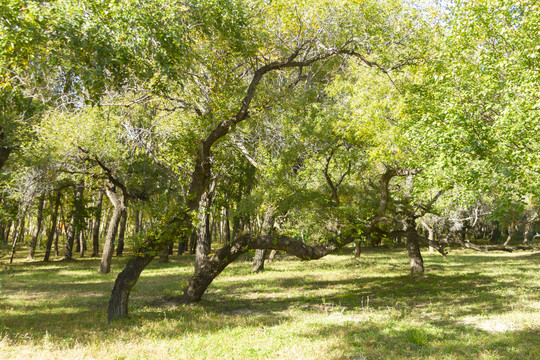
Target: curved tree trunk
x=214, y=265
x=108, y=248
x=37, y=230
x=118, y=303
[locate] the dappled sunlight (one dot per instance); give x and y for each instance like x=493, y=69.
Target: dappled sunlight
x=334, y=308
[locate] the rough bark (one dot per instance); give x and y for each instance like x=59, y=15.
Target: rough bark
x=118, y=303
x=272, y=255
x=96, y=225
x=413, y=251
x=258, y=260
x=52, y=229
x=117, y=200
x=37, y=230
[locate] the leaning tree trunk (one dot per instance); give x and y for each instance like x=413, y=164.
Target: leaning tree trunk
x=108, y=249
x=52, y=230
x=215, y=264
x=37, y=230
x=118, y=303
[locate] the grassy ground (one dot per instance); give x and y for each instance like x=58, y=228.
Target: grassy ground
x=469, y=306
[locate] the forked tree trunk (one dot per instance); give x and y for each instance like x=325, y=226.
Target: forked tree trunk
x=108, y=249
x=37, y=230
x=52, y=230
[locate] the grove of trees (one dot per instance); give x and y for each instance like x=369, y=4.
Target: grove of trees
x=223, y=127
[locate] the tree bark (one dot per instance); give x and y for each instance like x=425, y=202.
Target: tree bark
x=357, y=249
x=96, y=224
x=20, y=234
x=108, y=248
x=121, y=233
x=413, y=248
x=37, y=230
x=260, y=254
x=52, y=230
x=214, y=265
x=118, y=303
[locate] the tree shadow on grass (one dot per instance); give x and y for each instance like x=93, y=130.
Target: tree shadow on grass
x=386, y=340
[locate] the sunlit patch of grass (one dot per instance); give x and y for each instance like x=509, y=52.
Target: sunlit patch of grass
x=470, y=305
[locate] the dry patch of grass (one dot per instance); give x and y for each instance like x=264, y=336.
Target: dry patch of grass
x=483, y=306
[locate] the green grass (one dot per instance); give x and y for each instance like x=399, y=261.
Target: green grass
x=469, y=306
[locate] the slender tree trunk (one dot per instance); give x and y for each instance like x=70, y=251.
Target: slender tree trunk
x=37, y=230
x=204, y=235
x=75, y=224
x=82, y=243
x=96, y=225
x=357, y=249
x=272, y=255
x=20, y=234
x=137, y=221
x=56, y=250
x=122, y=233
x=511, y=233
x=258, y=260
x=108, y=249
x=52, y=230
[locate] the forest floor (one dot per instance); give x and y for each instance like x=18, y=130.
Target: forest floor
x=468, y=306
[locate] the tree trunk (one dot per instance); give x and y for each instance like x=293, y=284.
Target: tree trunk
x=52, y=230
x=37, y=230
x=108, y=249
x=121, y=233
x=215, y=264
x=272, y=255
x=97, y=224
x=357, y=249
x=258, y=260
x=413, y=249
x=118, y=303
x=82, y=243
x=20, y=234
x=137, y=221
x=267, y=227
x=75, y=224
